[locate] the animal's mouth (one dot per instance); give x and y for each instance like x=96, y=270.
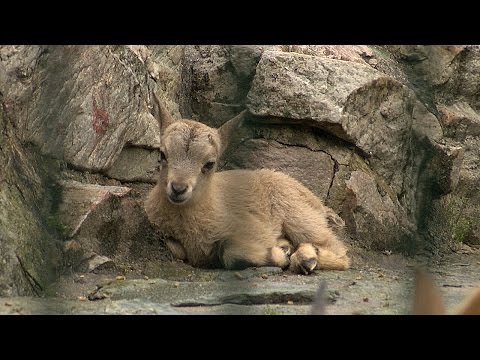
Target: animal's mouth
x=178, y=200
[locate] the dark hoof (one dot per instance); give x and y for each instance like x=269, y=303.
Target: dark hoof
x=307, y=266
x=287, y=250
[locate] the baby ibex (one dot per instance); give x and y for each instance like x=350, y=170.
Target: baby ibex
x=237, y=218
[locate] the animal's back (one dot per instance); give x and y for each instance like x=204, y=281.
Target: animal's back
x=267, y=191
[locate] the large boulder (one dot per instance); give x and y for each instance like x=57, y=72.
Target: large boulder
x=29, y=246
x=106, y=227
x=381, y=118
x=91, y=109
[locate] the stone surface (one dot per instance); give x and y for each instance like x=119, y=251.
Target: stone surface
x=219, y=79
x=80, y=200
x=100, y=92
x=107, y=227
x=368, y=211
x=30, y=254
x=378, y=284
x=358, y=53
x=388, y=125
x=463, y=82
x=387, y=136
x=135, y=164
x=302, y=87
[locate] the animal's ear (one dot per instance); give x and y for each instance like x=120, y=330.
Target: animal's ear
x=428, y=300
x=226, y=130
x=160, y=113
x=471, y=305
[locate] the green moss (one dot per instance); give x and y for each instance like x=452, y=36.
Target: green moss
x=454, y=220
x=56, y=225
x=462, y=229
x=269, y=310
x=380, y=52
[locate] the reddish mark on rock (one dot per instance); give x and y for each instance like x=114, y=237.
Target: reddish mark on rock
x=100, y=118
x=7, y=105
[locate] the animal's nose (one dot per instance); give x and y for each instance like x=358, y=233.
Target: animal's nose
x=178, y=188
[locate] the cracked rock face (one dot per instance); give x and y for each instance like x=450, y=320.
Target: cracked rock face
x=314, y=169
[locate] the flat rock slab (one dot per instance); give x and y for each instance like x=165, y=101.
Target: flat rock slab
x=380, y=286
x=188, y=294
x=50, y=306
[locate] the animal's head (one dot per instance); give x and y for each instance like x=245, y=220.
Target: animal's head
x=189, y=153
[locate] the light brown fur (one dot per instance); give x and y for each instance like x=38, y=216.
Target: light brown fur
x=428, y=300
x=236, y=218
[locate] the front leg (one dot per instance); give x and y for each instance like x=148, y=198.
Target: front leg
x=176, y=249
x=239, y=255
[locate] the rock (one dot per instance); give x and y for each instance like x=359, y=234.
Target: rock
x=95, y=91
x=368, y=212
x=385, y=119
x=110, y=227
x=299, y=87
x=219, y=78
x=380, y=116
x=80, y=200
x=358, y=53
x=306, y=88
x=459, y=120
x=98, y=262
x=77, y=97
x=136, y=164
x=349, y=100
x=29, y=247
x=453, y=218
x=446, y=167
x=139, y=307
x=52, y=306
x=189, y=294
x=462, y=81
x=431, y=64
x=249, y=273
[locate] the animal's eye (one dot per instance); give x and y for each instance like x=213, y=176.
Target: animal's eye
x=163, y=157
x=208, y=165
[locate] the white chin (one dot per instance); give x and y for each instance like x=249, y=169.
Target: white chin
x=177, y=201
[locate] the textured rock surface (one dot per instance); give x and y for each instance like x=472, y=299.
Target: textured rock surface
x=452, y=85
x=219, y=79
x=29, y=249
x=381, y=286
x=92, y=102
x=106, y=227
x=297, y=86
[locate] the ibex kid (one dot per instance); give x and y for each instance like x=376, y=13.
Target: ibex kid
x=237, y=218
